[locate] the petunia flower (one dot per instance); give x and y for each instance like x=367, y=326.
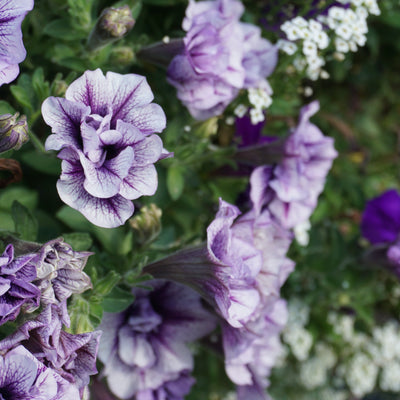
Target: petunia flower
x=24, y=377
x=104, y=128
x=12, y=51
x=220, y=57
x=144, y=348
x=16, y=287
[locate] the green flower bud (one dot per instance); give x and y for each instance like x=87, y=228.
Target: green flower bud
x=113, y=24
x=13, y=132
x=147, y=224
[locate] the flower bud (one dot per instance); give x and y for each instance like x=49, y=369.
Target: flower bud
x=113, y=24
x=147, y=224
x=13, y=132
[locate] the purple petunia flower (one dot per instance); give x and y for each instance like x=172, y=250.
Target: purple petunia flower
x=104, y=128
x=73, y=357
x=292, y=186
x=381, y=218
x=59, y=271
x=221, y=56
x=223, y=271
x=24, y=377
x=12, y=51
x=16, y=287
x=144, y=348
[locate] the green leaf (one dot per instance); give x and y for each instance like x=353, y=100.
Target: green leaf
x=40, y=86
x=6, y=108
x=26, y=224
x=62, y=29
x=22, y=96
x=79, y=241
x=42, y=162
x=28, y=198
x=117, y=300
x=175, y=181
x=104, y=286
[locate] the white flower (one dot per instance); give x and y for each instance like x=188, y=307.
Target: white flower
x=322, y=40
x=325, y=354
x=362, y=12
x=343, y=325
x=315, y=62
x=301, y=230
x=361, y=374
x=287, y=47
x=338, y=56
x=313, y=373
x=256, y=116
x=314, y=26
x=324, y=74
x=307, y=91
x=299, y=340
x=344, y=31
x=293, y=32
x=300, y=22
x=299, y=63
x=388, y=340
x=240, y=110
x=353, y=45
x=390, y=377
x=360, y=39
x=309, y=48
x=341, y=45
x=299, y=312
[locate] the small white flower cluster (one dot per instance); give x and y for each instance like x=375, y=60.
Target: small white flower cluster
x=260, y=98
x=346, y=27
x=295, y=335
x=314, y=372
x=371, y=356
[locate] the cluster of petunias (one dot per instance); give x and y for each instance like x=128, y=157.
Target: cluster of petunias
x=40, y=360
x=221, y=55
x=344, y=25
x=104, y=130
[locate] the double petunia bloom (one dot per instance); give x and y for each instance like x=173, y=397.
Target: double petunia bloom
x=104, y=130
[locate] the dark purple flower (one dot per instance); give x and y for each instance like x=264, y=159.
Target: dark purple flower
x=221, y=56
x=59, y=271
x=24, y=377
x=73, y=357
x=13, y=132
x=104, y=128
x=16, y=288
x=290, y=189
x=223, y=271
x=381, y=218
x=144, y=348
x=12, y=51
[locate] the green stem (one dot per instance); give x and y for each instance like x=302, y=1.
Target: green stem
x=36, y=141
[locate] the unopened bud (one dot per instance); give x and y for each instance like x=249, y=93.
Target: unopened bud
x=123, y=55
x=147, y=223
x=113, y=24
x=13, y=132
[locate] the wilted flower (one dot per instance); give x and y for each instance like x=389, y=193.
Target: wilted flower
x=59, y=271
x=220, y=57
x=223, y=271
x=16, y=288
x=144, y=348
x=73, y=357
x=24, y=377
x=13, y=132
x=104, y=130
x=12, y=51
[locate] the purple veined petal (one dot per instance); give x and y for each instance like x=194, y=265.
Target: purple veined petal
x=259, y=181
x=121, y=381
x=134, y=349
x=104, y=182
x=107, y=213
x=128, y=92
x=141, y=181
x=109, y=338
x=130, y=134
x=148, y=119
x=148, y=150
x=8, y=73
x=91, y=89
x=7, y=256
x=111, y=137
x=5, y=284
x=65, y=118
